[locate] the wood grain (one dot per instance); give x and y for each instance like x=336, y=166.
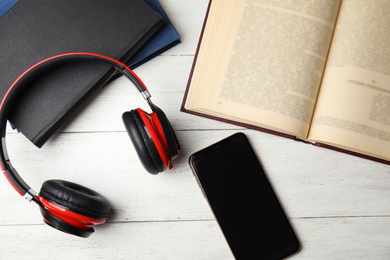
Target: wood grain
x=338, y=204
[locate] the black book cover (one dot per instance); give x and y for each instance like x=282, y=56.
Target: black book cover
x=34, y=30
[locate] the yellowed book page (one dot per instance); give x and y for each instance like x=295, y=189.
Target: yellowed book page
x=261, y=62
x=353, y=109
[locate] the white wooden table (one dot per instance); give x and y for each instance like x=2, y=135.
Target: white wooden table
x=338, y=204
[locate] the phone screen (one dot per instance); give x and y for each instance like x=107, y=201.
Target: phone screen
x=243, y=201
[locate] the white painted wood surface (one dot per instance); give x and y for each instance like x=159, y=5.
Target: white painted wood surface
x=338, y=204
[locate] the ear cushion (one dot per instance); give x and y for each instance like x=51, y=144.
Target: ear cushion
x=61, y=225
x=146, y=150
x=75, y=198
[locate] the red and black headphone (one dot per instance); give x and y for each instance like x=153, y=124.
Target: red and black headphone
x=70, y=207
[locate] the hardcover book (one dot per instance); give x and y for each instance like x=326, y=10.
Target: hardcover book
x=162, y=41
x=34, y=30
x=316, y=71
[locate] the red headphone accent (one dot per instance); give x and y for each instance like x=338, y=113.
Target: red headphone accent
x=74, y=219
x=156, y=132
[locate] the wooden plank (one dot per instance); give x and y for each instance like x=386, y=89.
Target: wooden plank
x=324, y=183
x=333, y=238
x=154, y=240
x=339, y=205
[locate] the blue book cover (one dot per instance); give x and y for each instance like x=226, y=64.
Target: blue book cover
x=165, y=39
x=5, y=5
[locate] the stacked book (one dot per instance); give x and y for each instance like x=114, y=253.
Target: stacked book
x=132, y=31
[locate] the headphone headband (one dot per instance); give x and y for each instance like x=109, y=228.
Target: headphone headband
x=16, y=89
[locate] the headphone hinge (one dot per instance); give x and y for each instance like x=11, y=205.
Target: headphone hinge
x=146, y=94
x=30, y=195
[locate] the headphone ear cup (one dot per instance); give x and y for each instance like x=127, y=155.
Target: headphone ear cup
x=144, y=146
x=61, y=225
x=73, y=204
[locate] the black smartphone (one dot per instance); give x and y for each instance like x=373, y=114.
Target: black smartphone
x=243, y=201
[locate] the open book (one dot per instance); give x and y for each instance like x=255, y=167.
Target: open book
x=313, y=70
